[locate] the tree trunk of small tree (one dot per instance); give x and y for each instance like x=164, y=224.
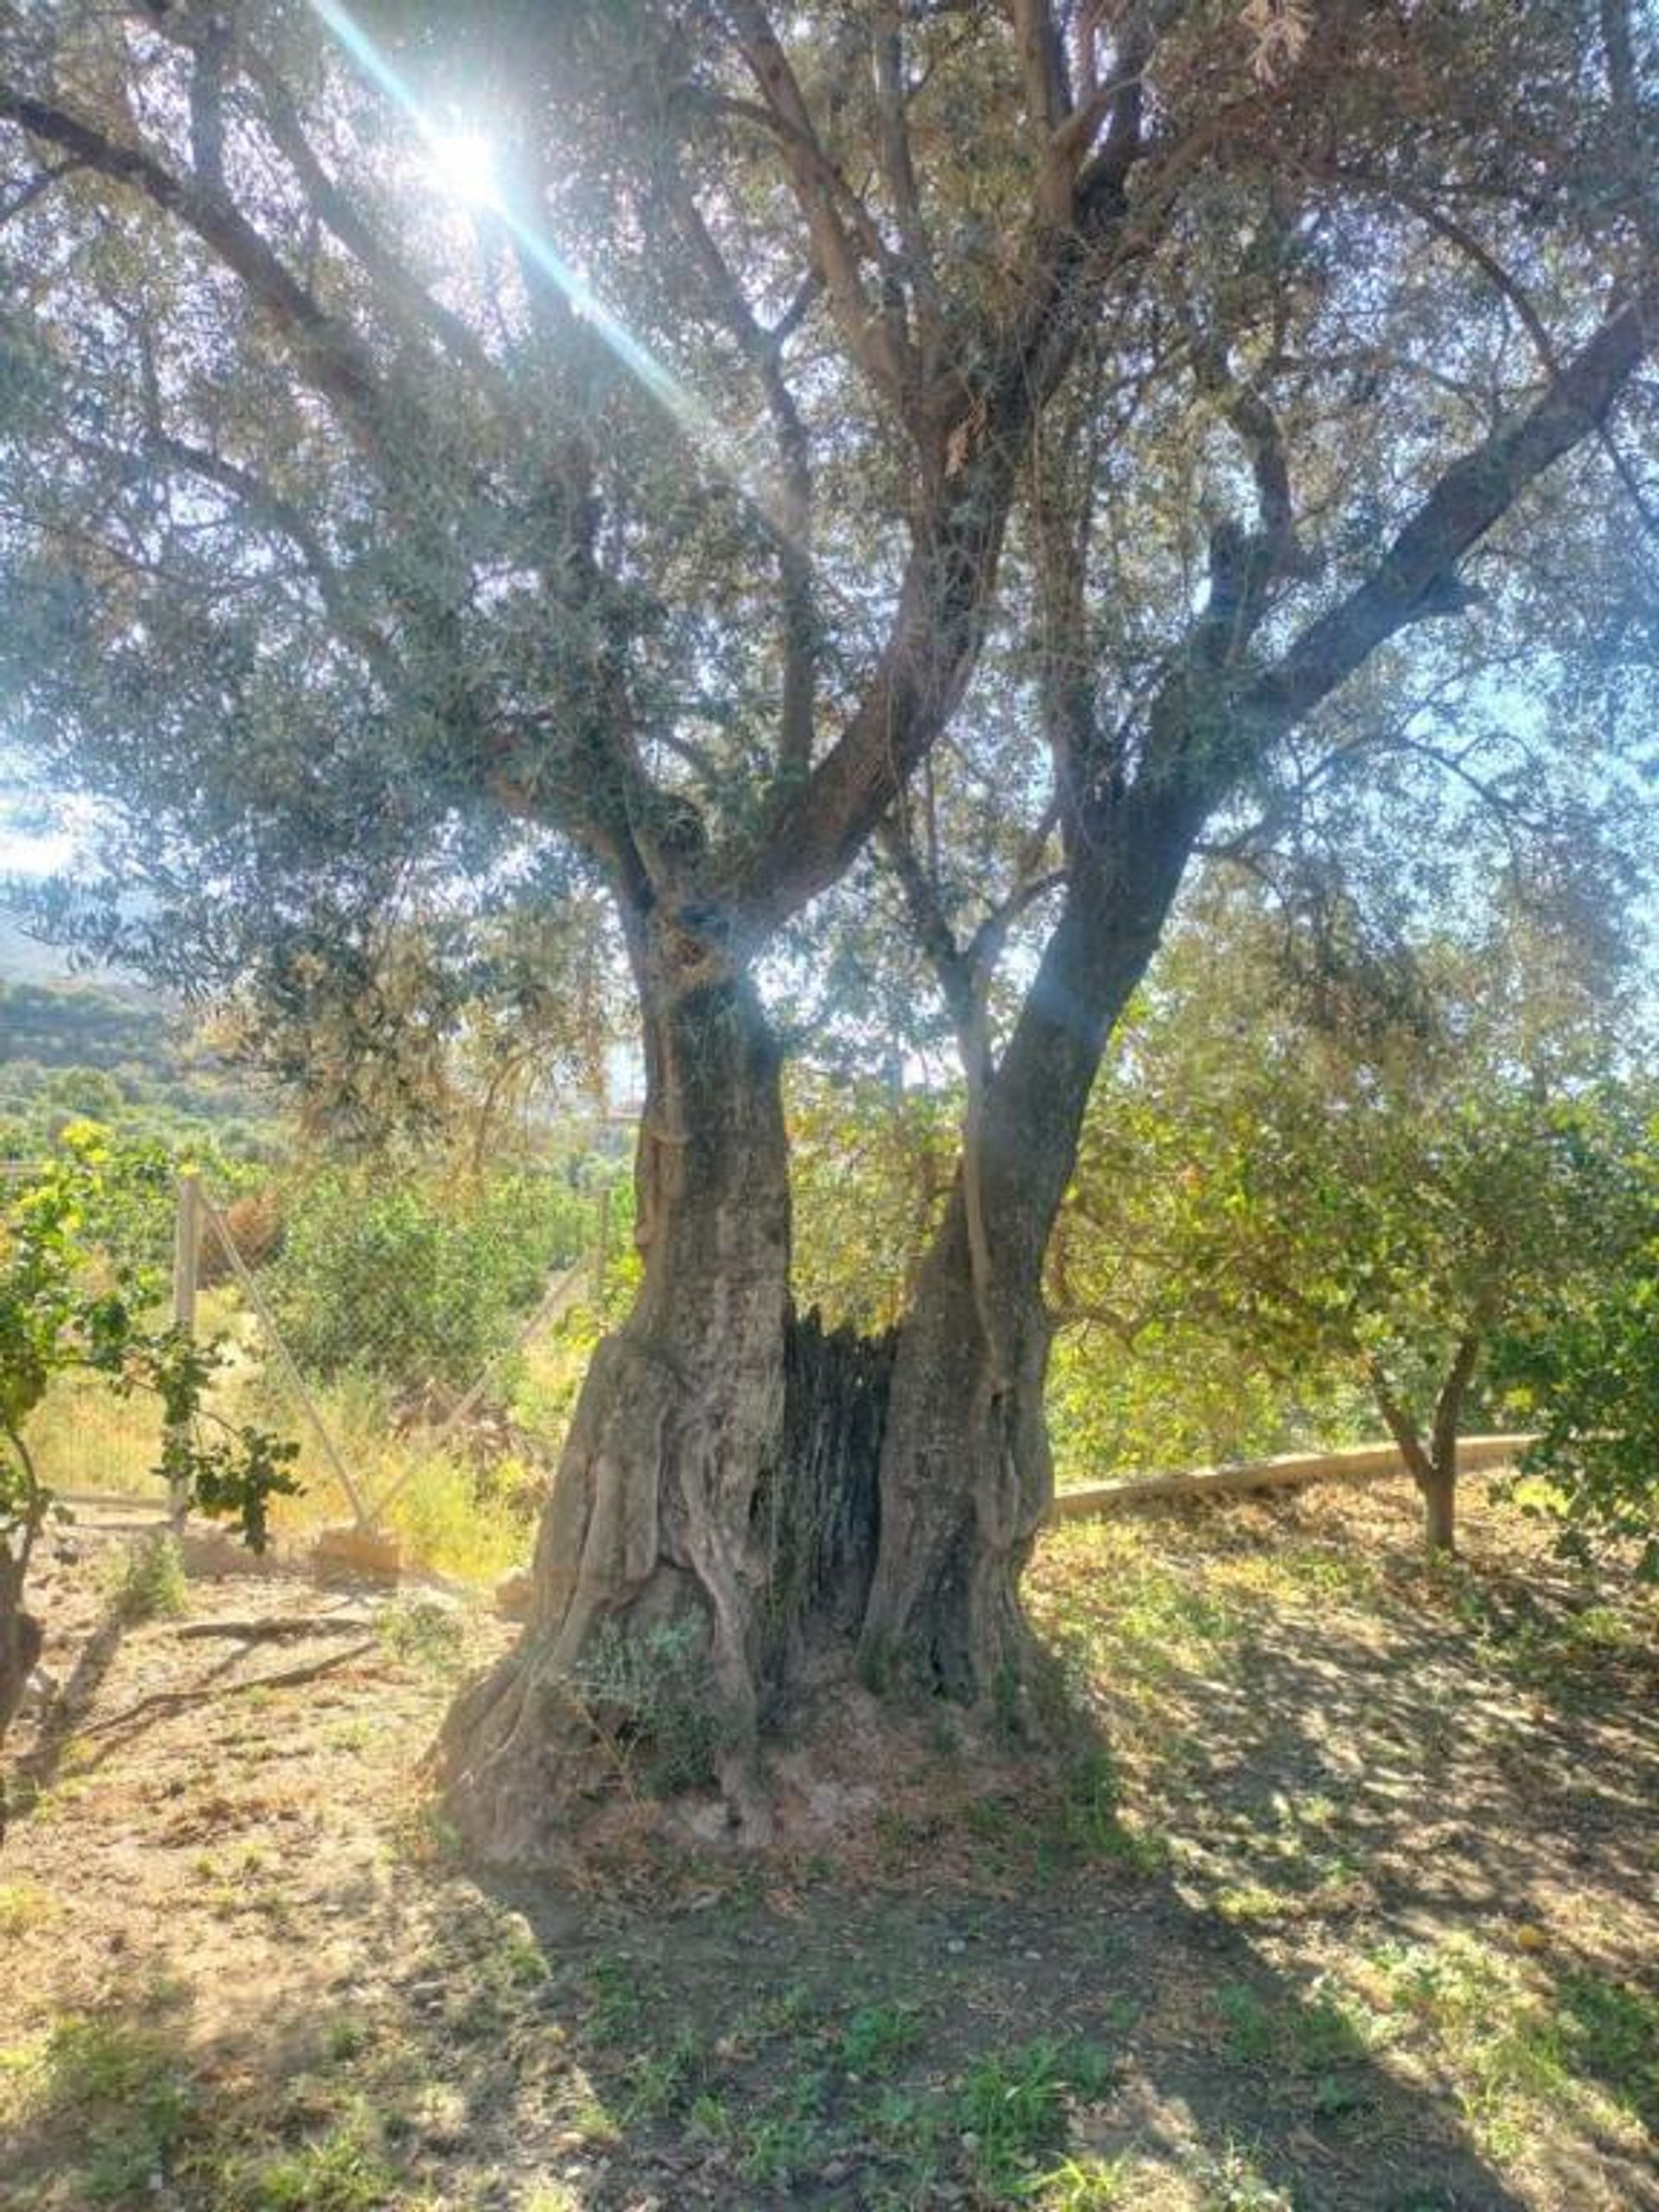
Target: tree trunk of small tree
x=1434, y=1465
x=20, y=1651
x=651, y=1559
x=1438, y=1487
x=20, y=1642
x=967, y=1476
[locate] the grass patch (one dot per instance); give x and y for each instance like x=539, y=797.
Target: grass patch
x=147, y=1581
x=344, y=2170
x=24, y=1907
x=1087, y=2185
x=113, y=2090
x=876, y=2036
x=420, y=1632
x=1524, y=2052
x=1010, y=2109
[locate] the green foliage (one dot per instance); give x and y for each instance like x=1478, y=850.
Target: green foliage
x=650, y=1694
x=150, y=1583
x=121, y=2085
x=1085, y=2185
x=876, y=2036
x=1520, y=2043
x=1011, y=2107
x=1581, y=1365
x=73, y=1298
x=421, y=1633
x=870, y=1169
x=1305, y=1206
x=393, y=1274
x=344, y=2171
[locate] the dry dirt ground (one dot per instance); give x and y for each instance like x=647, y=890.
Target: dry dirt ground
x=1345, y=1902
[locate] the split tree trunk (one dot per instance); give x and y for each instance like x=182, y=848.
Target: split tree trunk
x=651, y=1537
x=777, y=1498
x=967, y=1476
x=1433, y=1464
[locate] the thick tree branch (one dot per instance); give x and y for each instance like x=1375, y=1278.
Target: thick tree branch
x=874, y=336
x=1463, y=241
x=333, y=357
x=396, y=285
x=1448, y=1405
x=266, y=507
x=952, y=568
x=1048, y=104
x=791, y=519
x=1470, y=497
x=1399, y=1423
x=899, y=172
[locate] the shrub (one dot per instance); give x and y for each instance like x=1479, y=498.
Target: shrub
x=401, y=1280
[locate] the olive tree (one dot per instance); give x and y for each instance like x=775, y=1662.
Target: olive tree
x=383, y=563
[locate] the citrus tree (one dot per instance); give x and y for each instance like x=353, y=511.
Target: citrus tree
x=1579, y=1362
x=70, y=1303
x=1363, y=1188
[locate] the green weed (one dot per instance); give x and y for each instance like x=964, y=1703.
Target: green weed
x=617, y=1997
x=417, y=1632
x=877, y=2036
x=149, y=1582
x=1011, y=2108
x=1091, y=1820
x=343, y=2171
x=23, y=1906
x=1085, y=2185
x=661, y=2082
x=121, y=2090
x=651, y=1695
x=1231, y=2181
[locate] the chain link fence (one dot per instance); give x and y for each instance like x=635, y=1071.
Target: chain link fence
x=420, y=1344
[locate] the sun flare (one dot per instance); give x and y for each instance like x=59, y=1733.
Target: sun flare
x=462, y=164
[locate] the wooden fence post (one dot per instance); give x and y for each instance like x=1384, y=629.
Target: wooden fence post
x=601, y=1247
x=186, y=1260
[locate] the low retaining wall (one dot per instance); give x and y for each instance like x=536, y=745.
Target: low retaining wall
x=1290, y=1470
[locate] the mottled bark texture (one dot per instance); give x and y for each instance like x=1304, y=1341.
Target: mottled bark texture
x=652, y=1525
x=20, y=1652
x=777, y=1498
x=21, y=1643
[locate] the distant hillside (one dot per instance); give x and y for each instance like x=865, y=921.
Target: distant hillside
x=102, y=1044
x=57, y=1024
x=25, y=959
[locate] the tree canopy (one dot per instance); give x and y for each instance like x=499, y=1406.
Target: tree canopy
x=1037, y=440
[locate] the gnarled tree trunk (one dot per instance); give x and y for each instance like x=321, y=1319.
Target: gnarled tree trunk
x=966, y=1471
x=651, y=1537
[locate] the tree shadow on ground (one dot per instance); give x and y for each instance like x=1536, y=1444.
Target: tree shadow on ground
x=849, y=2049
x=1243, y=1954
x=1433, y=1787
x=35, y=1769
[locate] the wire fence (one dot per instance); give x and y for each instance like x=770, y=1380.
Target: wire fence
x=420, y=1349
